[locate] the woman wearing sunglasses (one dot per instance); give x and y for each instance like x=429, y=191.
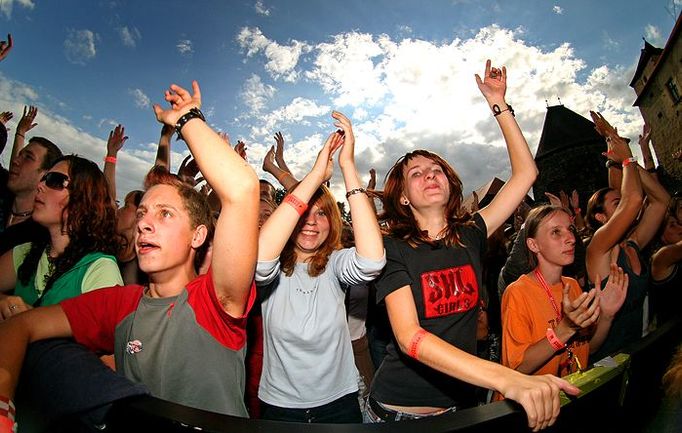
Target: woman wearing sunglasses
x=74, y=204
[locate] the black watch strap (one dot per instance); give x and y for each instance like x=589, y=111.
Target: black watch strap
x=193, y=113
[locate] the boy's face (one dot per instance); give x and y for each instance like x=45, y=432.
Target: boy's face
x=165, y=240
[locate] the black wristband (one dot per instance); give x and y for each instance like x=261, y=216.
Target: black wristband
x=497, y=110
x=613, y=164
x=193, y=113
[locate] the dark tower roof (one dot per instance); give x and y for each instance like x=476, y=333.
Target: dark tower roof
x=647, y=53
x=563, y=129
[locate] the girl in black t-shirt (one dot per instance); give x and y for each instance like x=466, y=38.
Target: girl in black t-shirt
x=432, y=280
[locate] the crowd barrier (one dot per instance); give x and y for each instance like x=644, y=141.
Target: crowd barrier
x=623, y=396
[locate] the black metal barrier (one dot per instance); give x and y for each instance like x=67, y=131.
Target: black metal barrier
x=623, y=398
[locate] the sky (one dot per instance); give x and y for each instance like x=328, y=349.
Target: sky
x=403, y=71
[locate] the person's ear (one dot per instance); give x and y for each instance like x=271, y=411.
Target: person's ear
x=199, y=236
x=532, y=245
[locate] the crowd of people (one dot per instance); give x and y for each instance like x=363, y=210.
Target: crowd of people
x=214, y=291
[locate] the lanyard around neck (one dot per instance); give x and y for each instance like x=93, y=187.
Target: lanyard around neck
x=552, y=301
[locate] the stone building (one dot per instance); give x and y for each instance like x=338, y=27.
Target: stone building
x=569, y=156
x=658, y=85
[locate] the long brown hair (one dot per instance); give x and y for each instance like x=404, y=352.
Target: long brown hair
x=400, y=219
x=324, y=199
x=89, y=218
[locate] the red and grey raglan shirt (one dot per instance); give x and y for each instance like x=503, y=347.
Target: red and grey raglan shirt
x=185, y=349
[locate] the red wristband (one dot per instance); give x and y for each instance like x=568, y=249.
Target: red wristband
x=554, y=340
x=299, y=205
x=416, y=341
x=628, y=161
x=111, y=159
x=6, y=425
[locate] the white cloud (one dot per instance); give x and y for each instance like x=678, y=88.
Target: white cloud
x=653, y=35
x=261, y=9
x=141, y=100
x=129, y=36
x=281, y=60
x=299, y=110
x=558, y=10
x=6, y=6
x=184, y=47
x=609, y=42
x=255, y=93
x=79, y=46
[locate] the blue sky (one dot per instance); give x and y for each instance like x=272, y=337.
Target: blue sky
x=402, y=70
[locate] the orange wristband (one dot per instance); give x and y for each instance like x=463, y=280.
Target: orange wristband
x=111, y=159
x=554, y=340
x=299, y=205
x=416, y=341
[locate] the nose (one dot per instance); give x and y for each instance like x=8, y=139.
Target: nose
x=570, y=238
x=145, y=224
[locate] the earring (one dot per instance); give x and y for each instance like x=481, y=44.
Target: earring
x=405, y=202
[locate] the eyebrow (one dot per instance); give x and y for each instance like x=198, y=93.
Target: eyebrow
x=159, y=206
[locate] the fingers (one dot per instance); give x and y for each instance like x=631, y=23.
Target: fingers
x=196, y=90
x=487, y=67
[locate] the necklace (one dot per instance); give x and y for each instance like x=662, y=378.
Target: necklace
x=440, y=235
x=22, y=214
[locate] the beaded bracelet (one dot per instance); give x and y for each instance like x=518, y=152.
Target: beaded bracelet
x=299, y=205
x=554, y=340
x=355, y=191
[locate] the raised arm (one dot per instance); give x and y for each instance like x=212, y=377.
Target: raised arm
x=115, y=142
x=25, y=124
x=277, y=229
x=523, y=169
x=235, y=183
x=163, y=151
x=279, y=152
x=6, y=47
x=613, y=230
x=366, y=232
x=657, y=199
x=285, y=178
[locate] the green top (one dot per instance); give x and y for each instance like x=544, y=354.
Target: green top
x=93, y=271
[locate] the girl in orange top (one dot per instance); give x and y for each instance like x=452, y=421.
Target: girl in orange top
x=549, y=325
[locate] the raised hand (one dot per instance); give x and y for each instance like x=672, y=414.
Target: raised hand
x=26, y=122
x=324, y=164
x=180, y=100
x=347, y=154
x=269, y=161
x=6, y=116
x=493, y=86
x=553, y=200
x=645, y=136
x=372, y=184
x=279, y=152
x=574, y=200
x=116, y=140
x=564, y=199
x=6, y=47
x=615, y=291
x=240, y=148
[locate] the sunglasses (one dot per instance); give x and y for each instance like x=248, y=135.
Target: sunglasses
x=55, y=180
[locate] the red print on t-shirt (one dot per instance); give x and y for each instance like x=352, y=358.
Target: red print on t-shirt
x=449, y=291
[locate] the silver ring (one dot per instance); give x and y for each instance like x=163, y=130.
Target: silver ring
x=12, y=307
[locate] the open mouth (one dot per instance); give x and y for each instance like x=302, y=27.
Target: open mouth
x=144, y=247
